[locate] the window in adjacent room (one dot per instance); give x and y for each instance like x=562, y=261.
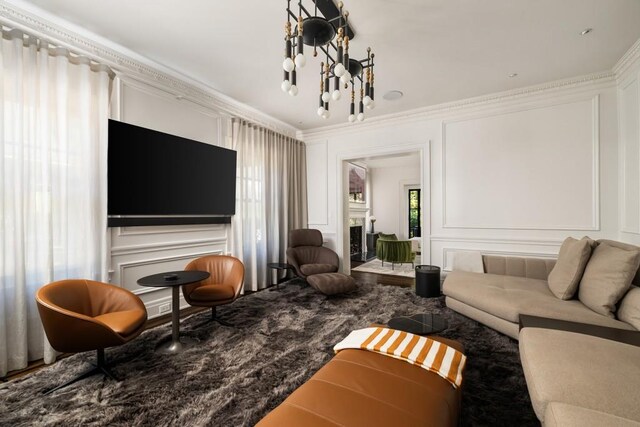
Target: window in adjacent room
x=415, y=213
x=357, y=179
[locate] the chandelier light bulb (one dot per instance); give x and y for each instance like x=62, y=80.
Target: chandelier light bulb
x=285, y=86
x=326, y=114
x=300, y=60
x=335, y=95
x=326, y=97
x=360, y=117
x=352, y=118
x=320, y=111
x=371, y=105
x=346, y=78
x=339, y=69
x=367, y=100
x=293, y=91
x=288, y=64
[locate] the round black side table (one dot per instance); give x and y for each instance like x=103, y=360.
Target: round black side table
x=280, y=266
x=173, y=279
x=428, y=281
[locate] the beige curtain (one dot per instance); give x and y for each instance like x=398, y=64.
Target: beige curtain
x=271, y=198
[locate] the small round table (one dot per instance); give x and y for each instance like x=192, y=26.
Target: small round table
x=173, y=279
x=419, y=324
x=428, y=281
x=280, y=266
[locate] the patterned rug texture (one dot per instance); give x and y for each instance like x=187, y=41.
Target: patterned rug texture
x=375, y=266
x=235, y=376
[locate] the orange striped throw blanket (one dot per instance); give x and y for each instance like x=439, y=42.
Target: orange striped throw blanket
x=429, y=354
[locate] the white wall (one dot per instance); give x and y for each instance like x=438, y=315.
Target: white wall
x=140, y=251
x=388, y=198
x=512, y=173
x=629, y=129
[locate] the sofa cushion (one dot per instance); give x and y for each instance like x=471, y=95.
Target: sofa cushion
x=533, y=268
x=607, y=277
x=572, y=260
x=627, y=246
x=563, y=415
x=508, y=297
x=629, y=310
x=580, y=370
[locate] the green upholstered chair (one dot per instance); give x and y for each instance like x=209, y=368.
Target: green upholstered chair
x=390, y=249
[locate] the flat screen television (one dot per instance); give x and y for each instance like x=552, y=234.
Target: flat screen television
x=159, y=179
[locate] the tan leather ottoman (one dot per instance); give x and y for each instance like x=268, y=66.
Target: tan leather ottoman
x=332, y=283
x=362, y=388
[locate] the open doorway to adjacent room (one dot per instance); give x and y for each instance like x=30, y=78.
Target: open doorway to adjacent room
x=383, y=194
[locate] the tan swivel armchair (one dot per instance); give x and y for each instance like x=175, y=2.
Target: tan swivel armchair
x=82, y=315
x=308, y=256
x=222, y=287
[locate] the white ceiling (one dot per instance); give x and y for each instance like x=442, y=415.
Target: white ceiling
x=434, y=51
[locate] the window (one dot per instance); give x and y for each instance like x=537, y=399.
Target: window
x=415, y=213
x=357, y=179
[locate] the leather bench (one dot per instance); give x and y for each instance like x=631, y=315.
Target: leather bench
x=362, y=388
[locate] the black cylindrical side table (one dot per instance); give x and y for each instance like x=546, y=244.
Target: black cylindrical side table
x=428, y=281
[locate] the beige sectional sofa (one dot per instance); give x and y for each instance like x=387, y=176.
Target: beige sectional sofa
x=574, y=379
x=581, y=380
x=513, y=286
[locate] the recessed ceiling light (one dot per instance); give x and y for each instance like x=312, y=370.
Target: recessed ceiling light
x=512, y=75
x=393, y=95
x=586, y=31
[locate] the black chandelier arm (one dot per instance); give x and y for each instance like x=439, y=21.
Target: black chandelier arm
x=345, y=26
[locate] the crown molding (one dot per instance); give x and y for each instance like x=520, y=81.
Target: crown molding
x=423, y=113
x=33, y=20
x=628, y=59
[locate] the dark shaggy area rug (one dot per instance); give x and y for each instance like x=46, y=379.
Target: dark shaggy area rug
x=235, y=376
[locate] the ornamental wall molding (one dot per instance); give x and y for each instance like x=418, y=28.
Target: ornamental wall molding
x=587, y=82
x=628, y=59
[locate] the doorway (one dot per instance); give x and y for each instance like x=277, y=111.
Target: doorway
x=385, y=200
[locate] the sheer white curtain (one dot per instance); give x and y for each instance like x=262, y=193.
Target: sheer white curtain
x=53, y=154
x=271, y=198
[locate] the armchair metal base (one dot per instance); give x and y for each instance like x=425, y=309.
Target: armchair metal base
x=98, y=368
x=214, y=318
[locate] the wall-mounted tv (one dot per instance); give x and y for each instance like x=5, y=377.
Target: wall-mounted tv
x=159, y=179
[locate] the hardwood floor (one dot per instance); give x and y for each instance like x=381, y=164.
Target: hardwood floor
x=382, y=279
x=151, y=323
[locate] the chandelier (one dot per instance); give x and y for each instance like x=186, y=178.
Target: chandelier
x=330, y=33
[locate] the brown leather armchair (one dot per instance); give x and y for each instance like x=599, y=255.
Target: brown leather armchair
x=308, y=256
x=82, y=315
x=222, y=287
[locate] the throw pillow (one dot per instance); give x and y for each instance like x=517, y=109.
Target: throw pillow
x=629, y=310
x=607, y=277
x=572, y=260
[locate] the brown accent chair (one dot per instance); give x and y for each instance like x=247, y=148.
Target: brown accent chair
x=81, y=315
x=222, y=287
x=308, y=256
